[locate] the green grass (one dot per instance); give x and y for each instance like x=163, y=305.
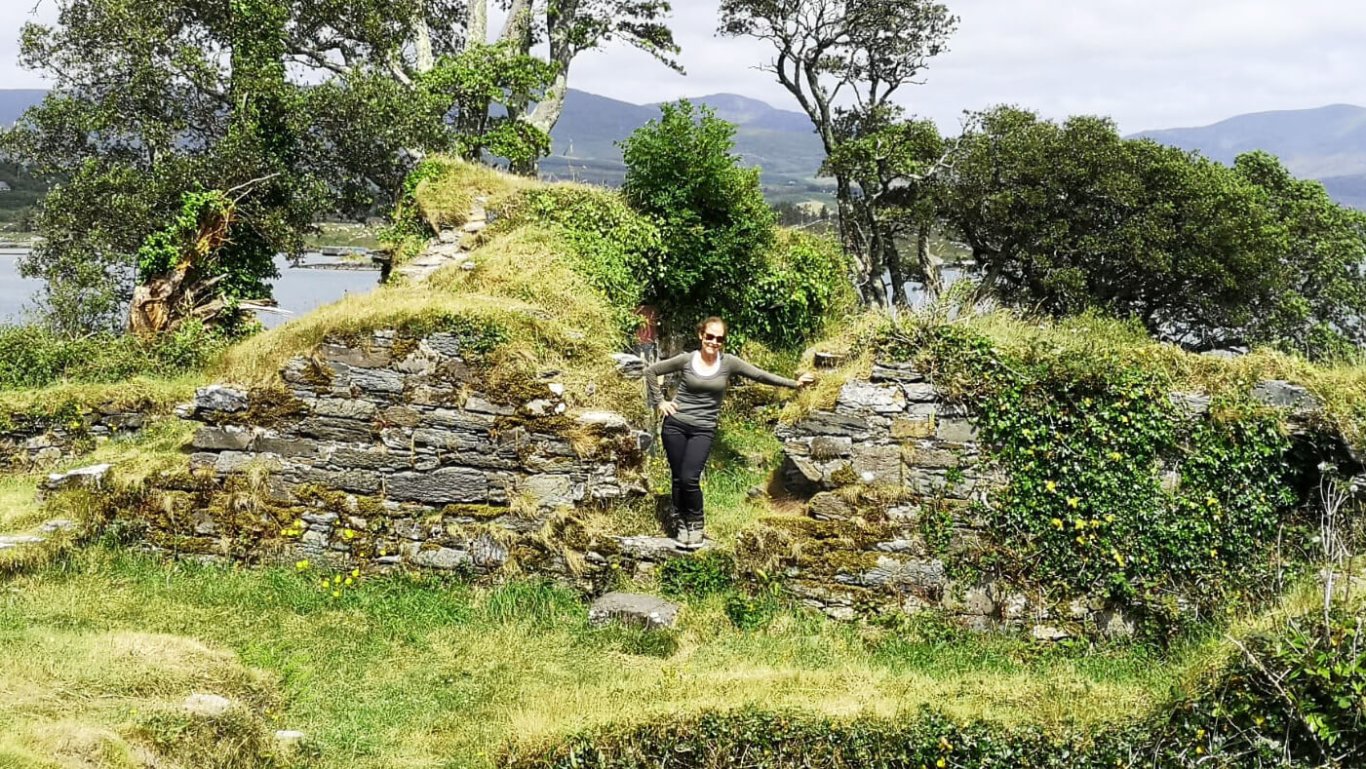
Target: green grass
x=412, y=672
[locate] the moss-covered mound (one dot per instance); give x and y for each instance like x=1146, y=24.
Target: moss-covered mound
x=536, y=300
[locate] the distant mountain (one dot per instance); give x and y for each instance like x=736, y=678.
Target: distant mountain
x=1327, y=143
x=781, y=143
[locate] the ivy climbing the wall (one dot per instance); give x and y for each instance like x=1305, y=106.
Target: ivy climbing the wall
x=1114, y=490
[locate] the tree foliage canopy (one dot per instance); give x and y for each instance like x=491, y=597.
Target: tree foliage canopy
x=856, y=53
x=1066, y=217
x=721, y=253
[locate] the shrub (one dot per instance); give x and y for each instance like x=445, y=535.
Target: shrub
x=701, y=575
x=804, y=281
x=715, y=226
x=33, y=356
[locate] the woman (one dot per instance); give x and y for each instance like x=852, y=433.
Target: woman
x=690, y=418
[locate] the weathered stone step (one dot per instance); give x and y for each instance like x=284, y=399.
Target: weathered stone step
x=636, y=609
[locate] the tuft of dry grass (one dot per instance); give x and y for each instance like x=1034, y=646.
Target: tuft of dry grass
x=446, y=199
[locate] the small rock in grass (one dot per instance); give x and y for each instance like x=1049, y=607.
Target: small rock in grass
x=289, y=738
x=81, y=478
x=207, y=705
x=646, y=611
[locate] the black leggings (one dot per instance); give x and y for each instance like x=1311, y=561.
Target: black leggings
x=687, y=448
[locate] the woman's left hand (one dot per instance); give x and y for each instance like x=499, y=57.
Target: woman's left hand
x=805, y=379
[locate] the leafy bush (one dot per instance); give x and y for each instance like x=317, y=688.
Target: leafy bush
x=32, y=356
x=804, y=282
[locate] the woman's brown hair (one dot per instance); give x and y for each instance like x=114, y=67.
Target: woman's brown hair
x=710, y=320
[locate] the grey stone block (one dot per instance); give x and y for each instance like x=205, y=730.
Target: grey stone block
x=858, y=397
x=1191, y=404
x=443, y=558
x=355, y=357
x=1282, y=394
x=479, y=405
x=1049, y=633
x=334, y=429
x=380, y=380
x=363, y=459
x=825, y=447
x=828, y=423
x=932, y=458
x=828, y=506
x=888, y=371
x=450, y=419
x=220, y=398
x=905, y=573
x=344, y=408
x=285, y=447
x=877, y=464
x=229, y=438
x=359, y=481
x=607, y=421
x=646, y=611
x=553, y=490
x=445, y=486
x=443, y=344
x=920, y=392
x=955, y=431
x=90, y=477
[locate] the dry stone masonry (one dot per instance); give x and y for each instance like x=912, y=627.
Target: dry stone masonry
x=895, y=478
x=31, y=442
x=386, y=450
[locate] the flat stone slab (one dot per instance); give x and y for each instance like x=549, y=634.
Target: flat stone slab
x=206, y=705
x=18, y=540
x=80, y=478
x=656, y=549
x=636, y=609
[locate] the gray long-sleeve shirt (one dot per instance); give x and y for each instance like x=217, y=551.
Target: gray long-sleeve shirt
x=699, y=396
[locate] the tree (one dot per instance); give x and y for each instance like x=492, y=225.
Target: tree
x=714, y=222
x=894, y=164
x=1067, y=217
x=570, y=27
x=722, y=253
x=1322, y=311
x=859, y=52
x=154, y=100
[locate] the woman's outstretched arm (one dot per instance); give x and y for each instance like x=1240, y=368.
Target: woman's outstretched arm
x=751, y=371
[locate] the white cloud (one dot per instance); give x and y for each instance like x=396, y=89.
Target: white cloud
x=1147, y=63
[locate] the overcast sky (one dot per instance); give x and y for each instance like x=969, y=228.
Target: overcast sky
x=1146, y=63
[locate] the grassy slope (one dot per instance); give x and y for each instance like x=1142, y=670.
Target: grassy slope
x=399, y=673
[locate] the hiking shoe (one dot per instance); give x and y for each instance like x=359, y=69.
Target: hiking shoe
x=695, y=536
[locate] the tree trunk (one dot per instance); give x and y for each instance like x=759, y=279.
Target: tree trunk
x=422, y=44
x=931, y=271
x=897, y=271
x=868, y=285
x=477, y=29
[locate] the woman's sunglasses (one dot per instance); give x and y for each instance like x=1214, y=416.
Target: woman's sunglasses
x=714, y=338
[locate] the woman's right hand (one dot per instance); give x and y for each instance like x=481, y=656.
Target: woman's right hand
x=667, y=408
